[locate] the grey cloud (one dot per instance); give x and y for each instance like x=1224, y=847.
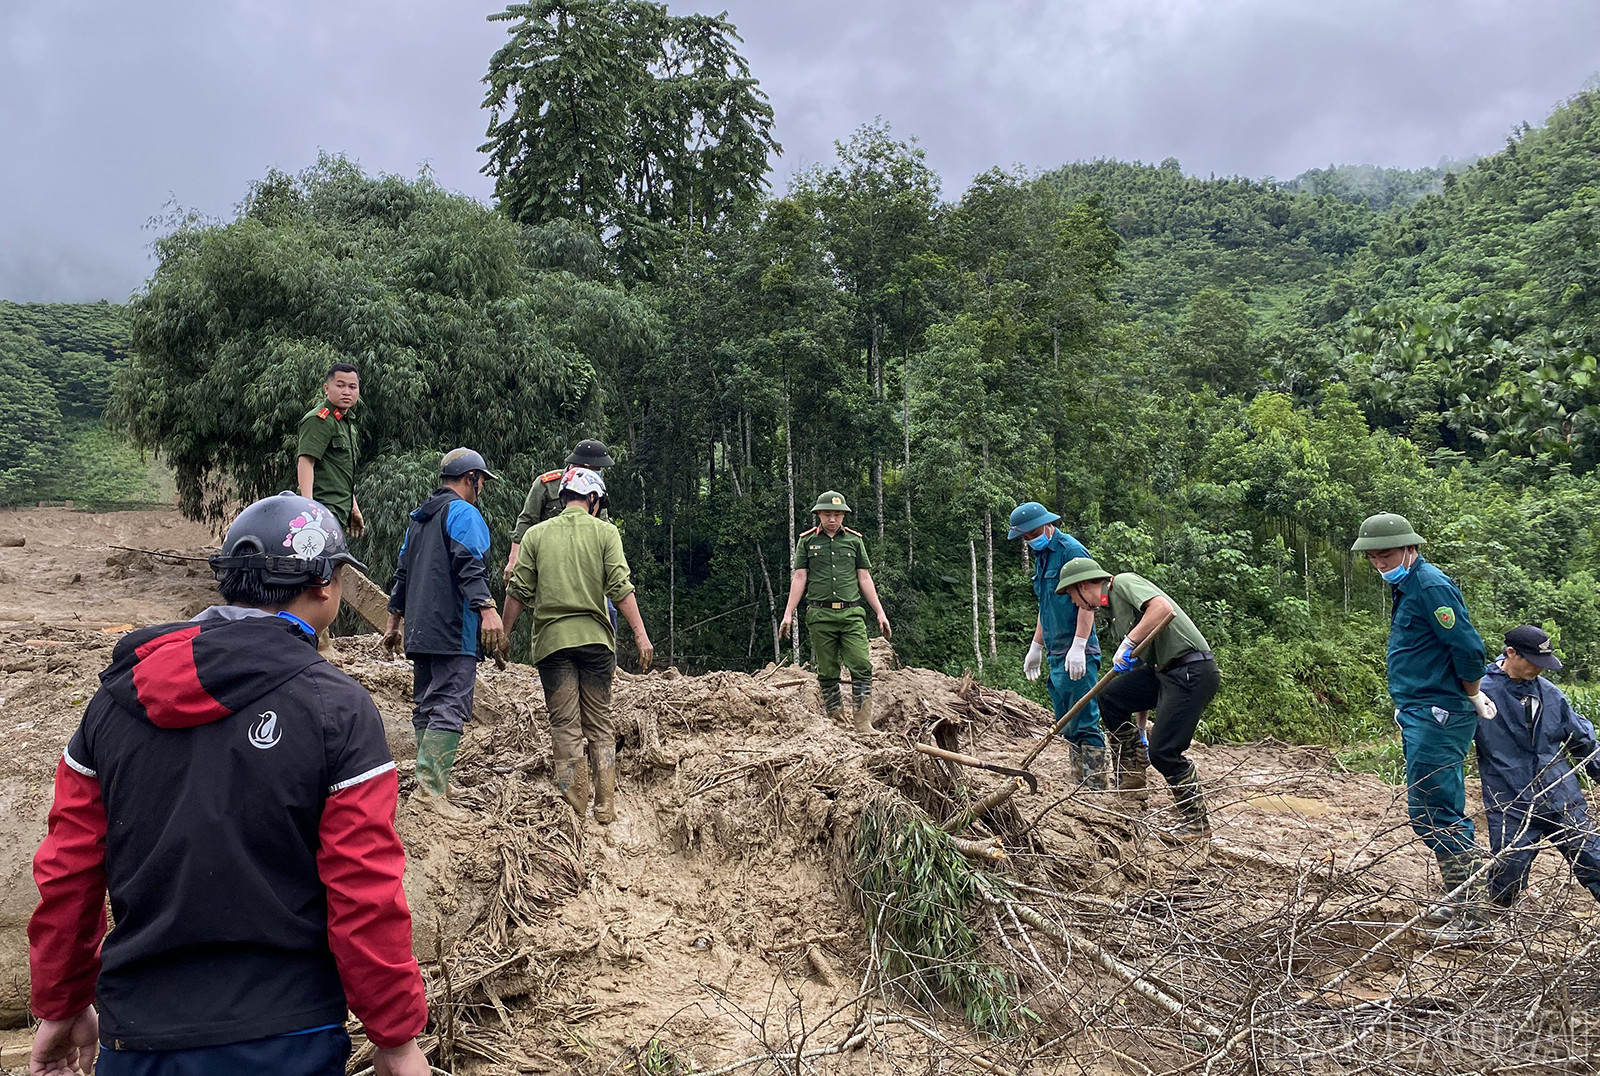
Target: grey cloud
x=109, y=111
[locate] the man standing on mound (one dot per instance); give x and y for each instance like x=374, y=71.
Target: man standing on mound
x=440, y=596
x=1435, y=672
x=567, y=569
x=235, y=795
x=834, y=574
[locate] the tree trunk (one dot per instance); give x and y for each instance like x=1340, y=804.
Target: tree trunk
x=788, y=477
x=977, y=641
x=877, y=455
x=988, y=575
x=672, y=594
x=905, y=429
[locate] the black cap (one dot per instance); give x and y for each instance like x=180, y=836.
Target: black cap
x=1533, y=645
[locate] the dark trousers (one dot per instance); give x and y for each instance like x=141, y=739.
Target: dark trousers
x=441, y=691
x=1178, y=697
x=312, y=1053
x=577, y=693
x=1569, y=830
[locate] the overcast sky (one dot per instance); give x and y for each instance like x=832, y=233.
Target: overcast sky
x=111, y=111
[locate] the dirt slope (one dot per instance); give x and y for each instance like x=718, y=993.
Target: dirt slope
x=718, y=921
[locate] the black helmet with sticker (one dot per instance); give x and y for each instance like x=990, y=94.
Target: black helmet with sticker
x=289, y=539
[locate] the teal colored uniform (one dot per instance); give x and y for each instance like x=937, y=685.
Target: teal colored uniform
x=835, y=616
x=1058, y=618
x=1433, y=647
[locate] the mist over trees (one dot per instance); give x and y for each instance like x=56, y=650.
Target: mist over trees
x=1212, y=380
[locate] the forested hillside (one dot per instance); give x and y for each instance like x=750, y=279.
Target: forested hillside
x=1213, y=380
x=57, y=363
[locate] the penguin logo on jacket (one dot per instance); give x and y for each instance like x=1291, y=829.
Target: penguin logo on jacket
x=265, y=732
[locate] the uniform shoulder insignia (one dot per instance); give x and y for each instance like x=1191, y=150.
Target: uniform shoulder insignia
x=809, y=533
x=323, y=413
x=847, y=530
x=551, y=476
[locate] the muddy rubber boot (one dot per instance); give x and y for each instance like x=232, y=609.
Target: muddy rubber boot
x=1132, y=763
x=1469, y=916
x=862, y=723
x=436, y=756
x=572, y=778
x=604, y=772
x=1190, y=802
x=835, y=715
x=1092, y=760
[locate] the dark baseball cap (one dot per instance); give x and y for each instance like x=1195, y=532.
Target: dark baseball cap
x=1533, y=645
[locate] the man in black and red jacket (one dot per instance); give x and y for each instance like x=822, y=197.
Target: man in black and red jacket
x=235, y=794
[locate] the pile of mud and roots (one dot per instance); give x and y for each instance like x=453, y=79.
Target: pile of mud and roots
x=779, y=895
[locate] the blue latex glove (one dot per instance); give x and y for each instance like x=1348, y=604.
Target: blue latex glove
x=1124, y=659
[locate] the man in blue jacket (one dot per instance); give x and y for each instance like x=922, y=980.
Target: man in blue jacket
x=1435, y=666
x=1063, y=636
x=440, y=594
x=1526, y=763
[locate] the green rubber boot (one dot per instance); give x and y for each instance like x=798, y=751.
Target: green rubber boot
x=436, y=756
x=1190, y=801
x=1092, y=760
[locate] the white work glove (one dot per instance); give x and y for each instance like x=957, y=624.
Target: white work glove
x=1484, y=705
x=1077, y=659
x=1032, y=663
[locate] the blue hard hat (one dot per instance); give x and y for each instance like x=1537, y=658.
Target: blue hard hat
x=1028, y=515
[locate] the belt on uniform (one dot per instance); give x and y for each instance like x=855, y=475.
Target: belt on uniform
x=833, y=605
x=1188, y=659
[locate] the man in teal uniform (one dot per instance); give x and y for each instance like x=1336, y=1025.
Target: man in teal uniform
x=1063, y=637
x=1436, y=662
x=329, y=447
x=834, y=575
x=1177, y=676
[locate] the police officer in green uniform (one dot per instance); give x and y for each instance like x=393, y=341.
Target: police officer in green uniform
x=1436, y=661
x=329, y=448
x=1177, y=676
x=834, y=574
x=544, y=496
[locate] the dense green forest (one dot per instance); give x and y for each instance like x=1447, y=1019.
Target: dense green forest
x=57, y=364
x=1213, y=380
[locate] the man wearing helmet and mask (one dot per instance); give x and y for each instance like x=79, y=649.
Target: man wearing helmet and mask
x=440, y=596
x=1436, y=662
x=235, y=794
x=1064, y=640
x=568, y=569
x=544, y=496
x=834, y=574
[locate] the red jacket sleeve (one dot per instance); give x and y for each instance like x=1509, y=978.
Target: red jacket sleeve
x=361, y=863
x=70, y=870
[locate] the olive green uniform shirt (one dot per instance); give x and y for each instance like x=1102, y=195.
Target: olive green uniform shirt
x=330, y=437
x=567, y=568
x=1129, y=593
x=543, y=502
x=831, y=563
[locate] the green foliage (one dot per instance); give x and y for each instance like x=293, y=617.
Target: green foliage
x=436, y=298
x=1377, y=188
x=636, y=123
x=919, y=897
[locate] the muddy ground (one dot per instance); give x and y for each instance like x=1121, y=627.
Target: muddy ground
x=717, y=924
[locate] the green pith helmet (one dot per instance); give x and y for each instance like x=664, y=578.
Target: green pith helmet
x=1080, y=570
x=831, y=501
x=1385, y=531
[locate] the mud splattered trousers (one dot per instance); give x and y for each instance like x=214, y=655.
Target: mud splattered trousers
x=839, y=636
x=1179, y=695
x=441, y=691
x=1514, y=837
x=1436, y=742
x=577, y=692
x=1084, y=730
